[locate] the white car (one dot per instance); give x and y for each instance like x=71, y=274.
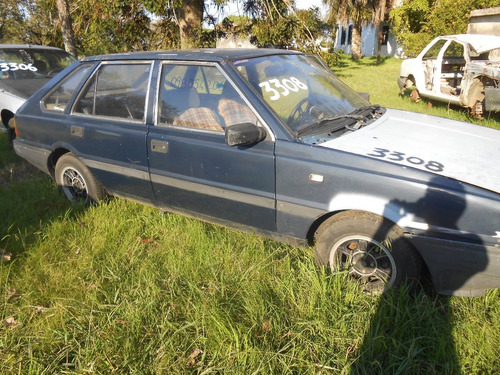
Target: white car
x=457, y=69
x=24, y=68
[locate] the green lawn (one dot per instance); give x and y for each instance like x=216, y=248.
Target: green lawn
x=381, y=83
x=121, y=288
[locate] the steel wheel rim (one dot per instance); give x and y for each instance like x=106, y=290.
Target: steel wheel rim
x=365, y=259
x=74, y=185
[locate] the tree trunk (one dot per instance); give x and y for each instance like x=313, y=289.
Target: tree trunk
x=356, y=41
x=380, y=38
x=66, y=27
x=379, y=19
x=190, y=18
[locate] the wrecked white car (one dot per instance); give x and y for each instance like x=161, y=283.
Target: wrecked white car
x=457, y=69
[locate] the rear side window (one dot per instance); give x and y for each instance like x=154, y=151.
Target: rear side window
x=116, y=90
x=58, y=99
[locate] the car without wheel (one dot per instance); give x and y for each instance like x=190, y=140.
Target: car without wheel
x=460, y=69
x=272, y=142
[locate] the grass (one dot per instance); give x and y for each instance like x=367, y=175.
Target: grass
x=381, y=83
x=121, y=288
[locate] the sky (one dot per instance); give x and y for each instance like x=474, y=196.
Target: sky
x=234, y=8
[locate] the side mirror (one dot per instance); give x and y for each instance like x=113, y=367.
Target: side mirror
x=245, y=134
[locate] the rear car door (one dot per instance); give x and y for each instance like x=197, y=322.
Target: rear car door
x=108, y=127
x=192, y=169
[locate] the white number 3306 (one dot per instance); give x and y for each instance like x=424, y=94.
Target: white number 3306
x=15, y=66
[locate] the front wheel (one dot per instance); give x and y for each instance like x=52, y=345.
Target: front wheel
x=76, y=181
x=369, y=248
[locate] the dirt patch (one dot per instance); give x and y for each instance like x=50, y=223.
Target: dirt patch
x=17, y=172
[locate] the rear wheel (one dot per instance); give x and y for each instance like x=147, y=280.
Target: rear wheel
x=369, y=248
x=76, y=181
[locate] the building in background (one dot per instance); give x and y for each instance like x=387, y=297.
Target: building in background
x=485, y=21
x=390, y=46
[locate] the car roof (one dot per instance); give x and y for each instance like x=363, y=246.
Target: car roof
x=205, y=54
x=480, y=43
x=27, y=46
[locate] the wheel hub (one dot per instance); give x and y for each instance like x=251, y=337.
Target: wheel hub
x=365, y=259
x=77, y=184
x=363, y=263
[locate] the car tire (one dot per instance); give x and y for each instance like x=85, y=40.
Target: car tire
x=76, y=181
x=370, y=249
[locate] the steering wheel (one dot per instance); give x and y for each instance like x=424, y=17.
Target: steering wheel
x=299, y=111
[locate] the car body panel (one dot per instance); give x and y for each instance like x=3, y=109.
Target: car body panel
x=455, y=150
x=287, y=185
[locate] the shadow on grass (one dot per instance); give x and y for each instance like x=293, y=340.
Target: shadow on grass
x=409, y=333
x=29, y=200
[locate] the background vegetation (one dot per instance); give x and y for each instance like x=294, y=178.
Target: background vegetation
x=107, y=26
x=417, y=22
x=122, y=288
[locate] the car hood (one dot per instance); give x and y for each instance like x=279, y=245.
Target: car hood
x=459, y=150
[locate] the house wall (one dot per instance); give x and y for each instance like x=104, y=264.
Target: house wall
x=232, y=41
x=485, y=21
x=368, y=42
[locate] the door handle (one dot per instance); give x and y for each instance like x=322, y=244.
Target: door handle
x=159, y=146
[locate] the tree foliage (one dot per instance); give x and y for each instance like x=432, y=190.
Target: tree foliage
x=417, y=22
x=108, y=26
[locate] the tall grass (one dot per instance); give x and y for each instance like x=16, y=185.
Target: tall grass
x=122, y=288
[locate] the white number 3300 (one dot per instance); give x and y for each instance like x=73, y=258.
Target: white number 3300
x=286, y=85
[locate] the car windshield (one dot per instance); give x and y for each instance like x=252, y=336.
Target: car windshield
x=300, y=89
x=24, y=70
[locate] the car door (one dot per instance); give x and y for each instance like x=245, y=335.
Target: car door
x=108, y=127
x=192, y=169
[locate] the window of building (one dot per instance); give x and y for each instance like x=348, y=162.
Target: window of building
x=342, y=36
x=385, y=35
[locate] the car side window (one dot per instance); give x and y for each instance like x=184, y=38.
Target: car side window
x=199, y=97
x=433, y=52
x=116, y=90
x=58, y=98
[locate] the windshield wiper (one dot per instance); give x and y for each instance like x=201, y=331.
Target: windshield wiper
x=313, y=127
x=343, y=121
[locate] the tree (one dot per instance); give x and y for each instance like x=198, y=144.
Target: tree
x=109, y=26
x=66, y=27
x=190, y=18
x=355, y=11
x=380, y=13
x=417, y=22
x=10, y=17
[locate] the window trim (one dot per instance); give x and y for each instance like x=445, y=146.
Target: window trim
x=114, y=118
x=270, y=133
x=60, y=83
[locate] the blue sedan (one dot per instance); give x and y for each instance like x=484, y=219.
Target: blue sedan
x=272, y=142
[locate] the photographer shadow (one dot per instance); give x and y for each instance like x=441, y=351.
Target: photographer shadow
x=411, y=331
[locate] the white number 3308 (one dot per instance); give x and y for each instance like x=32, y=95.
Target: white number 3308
x=283, y=87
